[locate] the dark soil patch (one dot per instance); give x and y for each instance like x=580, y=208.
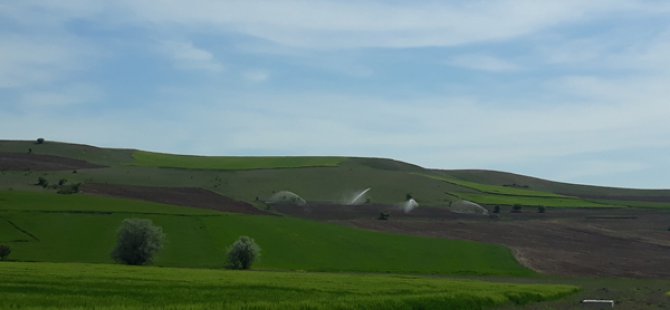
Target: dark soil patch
x=180, y=196
x=24, y=162
x=325, y=211
x=621, y=242
x=562, y=247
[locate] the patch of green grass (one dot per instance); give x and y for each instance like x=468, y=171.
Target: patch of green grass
x=149, y=159
x=52, y=202
x=634, y=204
x=288, y=244
x=492, y=189
x=566, y=202
x=72, y=286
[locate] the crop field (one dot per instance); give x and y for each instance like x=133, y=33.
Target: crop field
x=149, y=159
x=566, y=202
x=198, y=238
x=99, y=286
x=493, y=189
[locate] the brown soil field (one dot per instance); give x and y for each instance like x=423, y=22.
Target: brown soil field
x=573, y=242
x=24, y=162
x=181, y=196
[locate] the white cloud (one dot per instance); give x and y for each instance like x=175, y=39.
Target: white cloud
x=65, y=96
x=256, y=76
x=340, y=24
x=185, y=55
x=27, y=61
x=482, y=62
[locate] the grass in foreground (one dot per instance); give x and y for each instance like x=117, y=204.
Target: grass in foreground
x=72, y=286
x=149, y=159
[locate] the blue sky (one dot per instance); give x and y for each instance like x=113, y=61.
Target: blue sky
x=575, y=91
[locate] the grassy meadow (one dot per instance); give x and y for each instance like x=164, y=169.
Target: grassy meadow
x=58, y=228
x=149, y=159
x=100, y=286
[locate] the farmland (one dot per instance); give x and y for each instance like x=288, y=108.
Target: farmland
x=230, y=162
x=41, y=285
x=205, y=203
x=198, y=238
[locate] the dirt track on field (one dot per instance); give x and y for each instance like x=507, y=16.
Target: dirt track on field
x=181, y=196
x=583, y=242
x=24, y=162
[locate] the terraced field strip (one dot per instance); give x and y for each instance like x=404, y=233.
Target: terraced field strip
x=82, y=228
x=566, y=202
x=149, y=159
x=68, y=286
x=493, y=189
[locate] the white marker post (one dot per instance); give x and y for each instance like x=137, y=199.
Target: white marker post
x=598, y=301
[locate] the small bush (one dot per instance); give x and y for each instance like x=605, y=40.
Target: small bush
x=41, y=181
x=541, y=209
x=4, y=251
x=39, y=141
x=516, y=208
x=69, y=189
x=383, y=216
x=62, y=182
x=243, y=253
x=138, y=240
x=496, y=209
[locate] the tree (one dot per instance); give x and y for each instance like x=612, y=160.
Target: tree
x=540, y=209
x=40, y=140
x=243, y=253
x=383, y=216
x=516, y=208
x=496, y=209
x=138, y=241
x=4, y=251
x=41, y=181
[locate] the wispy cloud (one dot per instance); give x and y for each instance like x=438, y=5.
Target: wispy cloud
x=482, y=62
x=185, y=55
x=256, y=76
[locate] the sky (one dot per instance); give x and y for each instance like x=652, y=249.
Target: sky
x=575, y=91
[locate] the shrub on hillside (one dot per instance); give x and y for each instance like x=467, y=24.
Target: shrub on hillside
x=496, y=209
x=516, y=208
x=4, y=251
x=69, y=189
x=541, y=209
x=138, y=241
x=39, y=141
x=383, y=216
x=41, y=181
x=243, y=253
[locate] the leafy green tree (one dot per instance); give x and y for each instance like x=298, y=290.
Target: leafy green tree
x=243, y=253
x=138, y=241
x=4, y=251
x=40, y=140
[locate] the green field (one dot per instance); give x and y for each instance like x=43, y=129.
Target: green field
x=493, y=189
x=566, y=202
x=149, y=159
x=99, y=286
x=199, y=238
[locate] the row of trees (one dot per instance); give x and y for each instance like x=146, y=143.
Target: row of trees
x=139, y=240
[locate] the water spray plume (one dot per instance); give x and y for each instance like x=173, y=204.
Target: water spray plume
x=359, y=198
x=409, y=205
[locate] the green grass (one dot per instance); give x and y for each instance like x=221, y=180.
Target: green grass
x=200, y=240
x=78, y=286
x=149, y=159
x=50, y=202
x=493, y=189
x=566, y=202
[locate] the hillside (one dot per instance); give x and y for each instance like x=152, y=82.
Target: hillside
x=316, y=179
